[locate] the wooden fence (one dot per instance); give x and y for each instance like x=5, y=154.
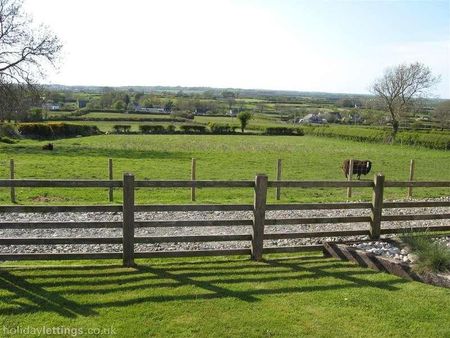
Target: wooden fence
x=258, y=222
x=12, y=172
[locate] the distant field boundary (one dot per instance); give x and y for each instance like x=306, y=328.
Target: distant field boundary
x=257, y=223
x=434, y=140
x=116, y=119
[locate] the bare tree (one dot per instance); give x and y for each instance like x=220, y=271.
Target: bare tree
x=400, y=86
x=16, y=99
x=25, y=52
x=442, y=114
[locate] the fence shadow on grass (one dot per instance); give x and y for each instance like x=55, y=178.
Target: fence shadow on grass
x=26, y=297
x=53, y=289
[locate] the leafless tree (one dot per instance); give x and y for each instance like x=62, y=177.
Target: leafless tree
x=400, y=86
x=442, y=114
x=25, y=52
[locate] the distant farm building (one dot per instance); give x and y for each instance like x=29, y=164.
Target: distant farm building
x=320, y=118
x=82, y=103
x=152, y=110
x=201, y=111
x=232, y=112
x=311, y=118
x=51, y=106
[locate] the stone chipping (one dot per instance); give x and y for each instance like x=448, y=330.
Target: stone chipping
x=180, y=231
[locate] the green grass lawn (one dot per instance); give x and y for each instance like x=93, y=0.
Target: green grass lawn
x=219, y=157
x=290, y=296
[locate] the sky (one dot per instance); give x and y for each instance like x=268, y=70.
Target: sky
x=326, y=46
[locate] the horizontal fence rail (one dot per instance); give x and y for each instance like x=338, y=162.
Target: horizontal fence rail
x=60, y=183
x=196, y=238
x=198, y=184
x=192, y=253
x=428, y=229
x=318, y=206
x=435, y=184
x=319, y=184
x=61, y=240
x=257, y=221
x=318, y=220
x=423, y=217
x=59, y=225
x=60, y=256
x=194, y=223
x=60, y=208
x=291, y=235
x=193, y=207
x=416, y=204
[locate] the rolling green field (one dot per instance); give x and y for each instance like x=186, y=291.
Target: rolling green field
x=218, y=157
x=63, y=113
x=283, y=296
x=107, y=126
x=107, y=120
x=106, y=116
x=257, y=122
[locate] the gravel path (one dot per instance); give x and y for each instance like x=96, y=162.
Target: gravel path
x=179, y=231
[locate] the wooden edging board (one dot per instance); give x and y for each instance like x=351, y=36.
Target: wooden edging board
x=367, y=259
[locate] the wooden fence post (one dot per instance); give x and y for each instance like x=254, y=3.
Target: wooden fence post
x=11, y=176
x=411, y=176
x=193, y=179
x=349, y=178
x=279, y=178
x=377, y=206
x=128, y=220
x=259, y=214
x=110, y=172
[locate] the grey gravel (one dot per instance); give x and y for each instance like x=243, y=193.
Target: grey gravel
x=180, y=231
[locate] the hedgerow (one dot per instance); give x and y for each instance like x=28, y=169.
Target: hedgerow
x=9, y=130
x=432, y=140
x=55, y=130
x=122, y=128
x=152, y=129
x=283, y=131
x=193, y=129
x=217, y=128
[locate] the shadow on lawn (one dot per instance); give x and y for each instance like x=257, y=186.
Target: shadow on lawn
x=30, y=290
x=40, y=299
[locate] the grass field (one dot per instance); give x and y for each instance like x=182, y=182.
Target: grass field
x=59, y=113
x=257, y=122
x=107, y=126
x=106, y=116
x=290, y=296
x=218, y=157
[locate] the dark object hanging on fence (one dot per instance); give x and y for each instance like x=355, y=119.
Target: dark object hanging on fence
x=359, y=167
x=48, y=146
